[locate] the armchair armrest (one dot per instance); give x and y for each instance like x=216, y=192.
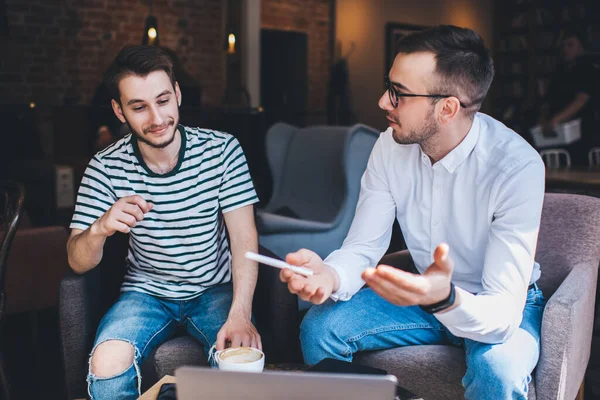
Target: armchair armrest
x=567, y=328
x=76, y=332
x=273, y=223
x=83, y=300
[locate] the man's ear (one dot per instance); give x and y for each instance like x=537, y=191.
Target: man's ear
x=117, y=110
x=449, y=108
x=178, y=93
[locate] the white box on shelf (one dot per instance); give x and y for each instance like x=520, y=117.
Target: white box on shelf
x=65, y=191
x=566, y=133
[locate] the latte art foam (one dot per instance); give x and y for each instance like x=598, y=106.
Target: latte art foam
x=240, y=355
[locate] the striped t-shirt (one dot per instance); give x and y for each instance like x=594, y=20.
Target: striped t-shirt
x=180, y=248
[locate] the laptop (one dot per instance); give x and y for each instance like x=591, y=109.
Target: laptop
x=209, y=383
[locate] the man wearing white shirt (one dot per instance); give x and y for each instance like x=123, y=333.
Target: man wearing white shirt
x=467, y=192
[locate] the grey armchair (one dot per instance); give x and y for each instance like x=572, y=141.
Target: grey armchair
x=84, y=299
x=569, y=253
x=316, y=182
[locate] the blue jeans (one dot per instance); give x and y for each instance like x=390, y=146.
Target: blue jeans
x=145, y=321
x=369, y=322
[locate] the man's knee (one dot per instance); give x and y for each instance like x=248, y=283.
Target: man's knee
x=112, y=358
x=496, y=374
x=322, y=335
x=316, y=325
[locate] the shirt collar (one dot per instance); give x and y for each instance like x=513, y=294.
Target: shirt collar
x=460, y=153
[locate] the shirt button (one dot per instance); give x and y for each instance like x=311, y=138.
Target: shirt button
x=435, y=223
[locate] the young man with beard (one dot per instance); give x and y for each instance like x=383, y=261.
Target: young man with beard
x=467, y=193
x=175, y=190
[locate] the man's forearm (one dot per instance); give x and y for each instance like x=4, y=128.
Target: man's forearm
x=571, y=109
x=245, y=273
x=85, y=250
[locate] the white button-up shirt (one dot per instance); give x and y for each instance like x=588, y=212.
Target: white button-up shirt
x=484, y=199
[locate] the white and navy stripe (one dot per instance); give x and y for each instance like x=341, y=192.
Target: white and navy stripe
x=180, y=248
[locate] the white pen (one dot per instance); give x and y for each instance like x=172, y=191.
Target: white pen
x=277, y=263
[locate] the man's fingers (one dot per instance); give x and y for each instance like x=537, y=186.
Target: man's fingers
x=286, y=275
x=402, y=279
x=246, y=340
x=133, y=209
x=441, y=256
x=221, y=337
x=304, y=296
x=116, y=226
x=390, y=292
x=236, y=340
x=318, y=297
x=296, y=285
x=389, y=289
x=441, y=252
x=140, y=202
x=259, y=342
x=127, y=219
x=301, y=257
x=253, y=341
x=309, y=290
x=367, y=273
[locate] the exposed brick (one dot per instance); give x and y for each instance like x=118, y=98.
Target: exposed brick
x=60, y=48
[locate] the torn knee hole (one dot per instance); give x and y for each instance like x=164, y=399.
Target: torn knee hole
x=111, y=358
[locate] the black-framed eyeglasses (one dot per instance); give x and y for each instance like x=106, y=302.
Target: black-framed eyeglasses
x=394, y=94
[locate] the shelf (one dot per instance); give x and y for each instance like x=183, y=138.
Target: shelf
x=526, y=52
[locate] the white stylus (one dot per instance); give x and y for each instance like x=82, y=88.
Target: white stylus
x=277, y=263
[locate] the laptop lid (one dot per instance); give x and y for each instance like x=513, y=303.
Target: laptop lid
x=209, y=383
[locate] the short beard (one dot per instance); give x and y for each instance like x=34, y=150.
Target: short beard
x=426, y=131
x=142, y=138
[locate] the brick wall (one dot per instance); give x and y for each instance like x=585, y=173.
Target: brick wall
x=312, y=17
x=57, y=50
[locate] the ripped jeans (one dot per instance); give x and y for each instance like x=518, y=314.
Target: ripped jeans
x=145, y=321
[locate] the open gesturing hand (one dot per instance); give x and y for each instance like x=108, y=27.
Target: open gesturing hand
x=405, y=289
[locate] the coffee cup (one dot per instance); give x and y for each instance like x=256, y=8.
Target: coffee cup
x=241, y=359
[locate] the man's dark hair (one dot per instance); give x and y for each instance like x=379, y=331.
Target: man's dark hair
x=139, y=61
x=464, y=65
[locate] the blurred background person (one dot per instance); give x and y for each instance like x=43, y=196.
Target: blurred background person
x=572, y=94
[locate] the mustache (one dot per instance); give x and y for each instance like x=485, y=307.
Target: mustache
x=391, y=117
x=158, y=127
